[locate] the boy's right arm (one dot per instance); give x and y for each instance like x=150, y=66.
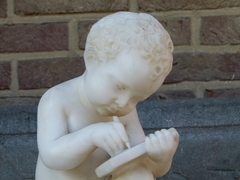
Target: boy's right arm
x=61, y=150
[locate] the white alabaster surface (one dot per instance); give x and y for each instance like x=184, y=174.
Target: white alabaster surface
x=88, y=127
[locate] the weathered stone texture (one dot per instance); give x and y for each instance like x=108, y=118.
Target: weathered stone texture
x=33, y=37
x=204, y=67
x=206, y=154
x=18, y=156
x=179, y=29
x=209, y=137
x=162, y=5
x=189, y=113
x=32, y=7
x=18, y=116
x=212, y=93
x=83, y=30
x=5, y=75
x=45, y=73
x=172, y=94
x=220, y=30
x=3, y=8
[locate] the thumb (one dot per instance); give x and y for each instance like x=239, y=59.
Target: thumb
x=118, y=126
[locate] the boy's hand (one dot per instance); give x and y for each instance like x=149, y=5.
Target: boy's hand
x=110, y=136
x=162, y=145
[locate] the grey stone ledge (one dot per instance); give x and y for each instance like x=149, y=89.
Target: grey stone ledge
x=209, y=129
x=18, y=115
x=190, y=113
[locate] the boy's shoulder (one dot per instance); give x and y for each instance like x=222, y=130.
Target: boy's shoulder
x=60, y=93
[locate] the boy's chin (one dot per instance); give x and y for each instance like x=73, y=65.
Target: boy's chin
x=105, y=112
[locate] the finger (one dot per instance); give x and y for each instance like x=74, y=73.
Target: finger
x=174, y=134
x=155, y=142
x=112, y=145
x=107, y=148
x=169, y=136
x=153, y=138
x=166, y=133
x=121, y=131
x=148, y=143
x=161, y=138
x=117, y=145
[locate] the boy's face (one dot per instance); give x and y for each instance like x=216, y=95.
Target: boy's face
x=115, y=87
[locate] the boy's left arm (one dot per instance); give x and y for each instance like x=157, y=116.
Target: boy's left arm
x=161, y=145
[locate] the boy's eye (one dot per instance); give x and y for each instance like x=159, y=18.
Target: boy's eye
x=121, y=88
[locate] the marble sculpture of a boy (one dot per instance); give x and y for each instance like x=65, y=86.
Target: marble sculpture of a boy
x=127, y=56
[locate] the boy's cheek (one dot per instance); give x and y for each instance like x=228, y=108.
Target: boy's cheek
x=96, y=93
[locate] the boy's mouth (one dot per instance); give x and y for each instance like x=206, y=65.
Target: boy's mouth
x=112, y=109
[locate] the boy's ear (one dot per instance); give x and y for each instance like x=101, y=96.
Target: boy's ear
x=90, y=58
x=90, y=54
x=156, y=72
x=170, y=46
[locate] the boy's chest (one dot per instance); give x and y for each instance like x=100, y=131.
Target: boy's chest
x=78, y=119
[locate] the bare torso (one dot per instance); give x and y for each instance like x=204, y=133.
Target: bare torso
x=77, y=118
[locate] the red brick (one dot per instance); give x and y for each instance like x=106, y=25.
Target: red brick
x=179, y=29
x=212, y=93
x=220, y=30
x=5, y=75
x=83, y=30
x=45, y=73
x=33, y=7
x=165, y=5
x=204, y=67
x=34, y=37
x=3, y=8
x=173, y=94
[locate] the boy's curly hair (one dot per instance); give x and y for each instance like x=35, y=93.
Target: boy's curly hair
x=122, y=30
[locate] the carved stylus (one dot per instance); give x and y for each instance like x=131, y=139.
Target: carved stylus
x=116, y=119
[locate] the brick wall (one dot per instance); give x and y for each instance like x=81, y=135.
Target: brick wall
x=42, y=43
